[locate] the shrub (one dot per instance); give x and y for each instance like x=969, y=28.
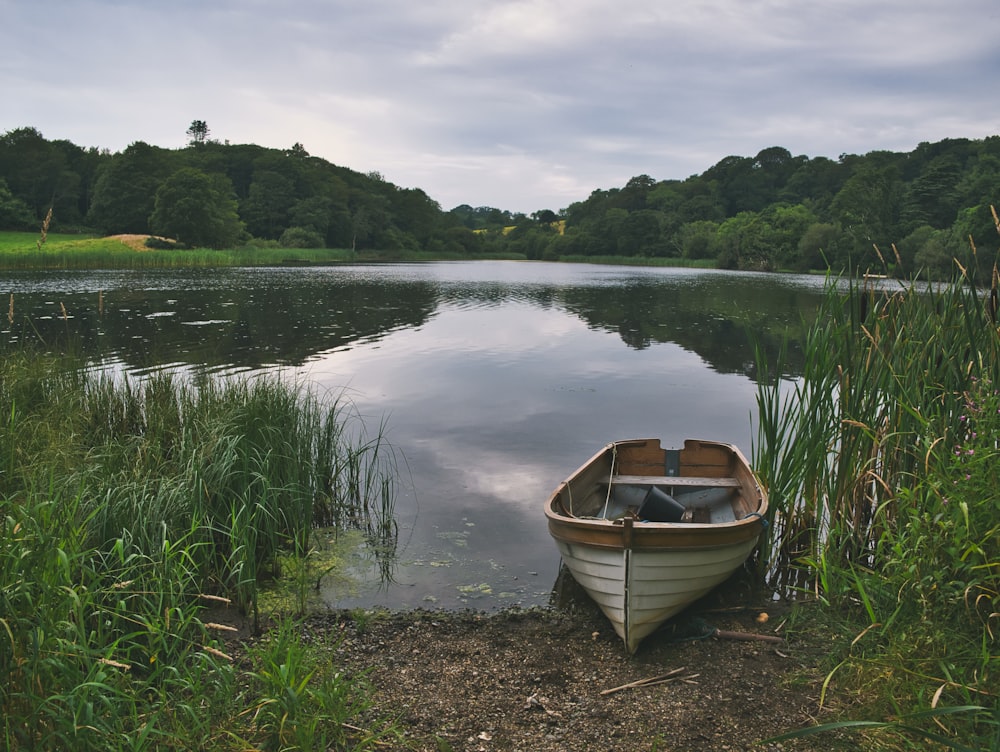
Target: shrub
x=301, y=237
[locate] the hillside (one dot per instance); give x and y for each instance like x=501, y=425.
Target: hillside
x=907, y=213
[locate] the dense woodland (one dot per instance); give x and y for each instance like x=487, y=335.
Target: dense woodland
x=910, y=213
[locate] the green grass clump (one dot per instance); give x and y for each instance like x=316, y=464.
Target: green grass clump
x=883, y=468
x=127, y=510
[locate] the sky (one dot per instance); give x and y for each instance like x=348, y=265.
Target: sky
x=515, y=104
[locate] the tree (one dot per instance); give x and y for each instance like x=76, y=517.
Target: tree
x=415, y=213
x=266, y=209
x=934, y=259
x=125, y=189
x=745, y=243
x=817, y=246
x=640, y=234
x=698, y=239
x=38, y=172
x=301, y=237
x=786, y=225
x=608, y=228
x=197, y=132
x=545, y=216
x=14, y=213
x=313, y=213
x=868, y=208
x=197, y=209
x=932, y=197
x=816, y=180
x=634, y=195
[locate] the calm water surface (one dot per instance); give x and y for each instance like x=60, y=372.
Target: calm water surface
x=494, y=379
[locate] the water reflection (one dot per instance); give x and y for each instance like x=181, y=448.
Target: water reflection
x=495, y=379
x=256, y=318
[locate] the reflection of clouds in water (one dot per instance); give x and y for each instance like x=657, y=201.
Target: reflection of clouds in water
x=505, y=402
x=419, y=362
x=514, y=477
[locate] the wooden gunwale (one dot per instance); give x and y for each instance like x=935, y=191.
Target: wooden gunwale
x=653, y=535
x=724, y=459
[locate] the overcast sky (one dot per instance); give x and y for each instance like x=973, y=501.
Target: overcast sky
x=516, y=104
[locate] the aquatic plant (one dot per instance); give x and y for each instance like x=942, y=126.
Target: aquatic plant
x=127, y=509
x=882, y=465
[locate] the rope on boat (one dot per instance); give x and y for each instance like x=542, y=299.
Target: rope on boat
x=607, y=499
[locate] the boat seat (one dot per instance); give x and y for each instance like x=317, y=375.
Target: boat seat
x=673, y=480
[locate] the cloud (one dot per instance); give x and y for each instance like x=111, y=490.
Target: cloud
x=520, y=104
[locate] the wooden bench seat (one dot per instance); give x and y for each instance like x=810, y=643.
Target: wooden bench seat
x=673, y=480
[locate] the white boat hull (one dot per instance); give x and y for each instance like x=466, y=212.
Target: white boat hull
x=639, y=572
x=639, y=590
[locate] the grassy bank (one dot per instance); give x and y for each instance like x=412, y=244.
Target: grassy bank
x=137, y=519
x=21, y=251
x=883, y=467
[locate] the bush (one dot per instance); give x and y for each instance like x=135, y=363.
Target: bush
x=301, y=237
x=163, y=244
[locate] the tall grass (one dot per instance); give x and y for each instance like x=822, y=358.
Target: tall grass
x=883, y=469
x=22, y=252
x=18, y=251
x=126, y=508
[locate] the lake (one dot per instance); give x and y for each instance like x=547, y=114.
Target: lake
x=492, y=380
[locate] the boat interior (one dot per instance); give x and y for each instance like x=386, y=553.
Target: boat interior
x=652, y=484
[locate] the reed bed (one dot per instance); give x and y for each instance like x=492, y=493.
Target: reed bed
x=128, y=509
x=883, y=469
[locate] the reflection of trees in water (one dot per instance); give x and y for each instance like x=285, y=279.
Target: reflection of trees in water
x=286, y=320
x=716, y=321
x=240, y=327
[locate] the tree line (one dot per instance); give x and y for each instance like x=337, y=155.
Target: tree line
x=911, y=212
x=908, y=213
x=216, y=195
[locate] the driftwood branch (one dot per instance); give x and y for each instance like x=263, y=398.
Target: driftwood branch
x=652, y=681
x=722, y=634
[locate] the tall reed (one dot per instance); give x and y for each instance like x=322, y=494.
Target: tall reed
x=125, y=506
x=883, y=466
x=881, y=392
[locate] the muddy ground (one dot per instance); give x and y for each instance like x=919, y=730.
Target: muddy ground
x=560, y=679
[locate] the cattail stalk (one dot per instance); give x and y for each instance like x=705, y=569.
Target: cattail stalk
x=45, y=229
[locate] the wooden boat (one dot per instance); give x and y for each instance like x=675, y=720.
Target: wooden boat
x=646, y=531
